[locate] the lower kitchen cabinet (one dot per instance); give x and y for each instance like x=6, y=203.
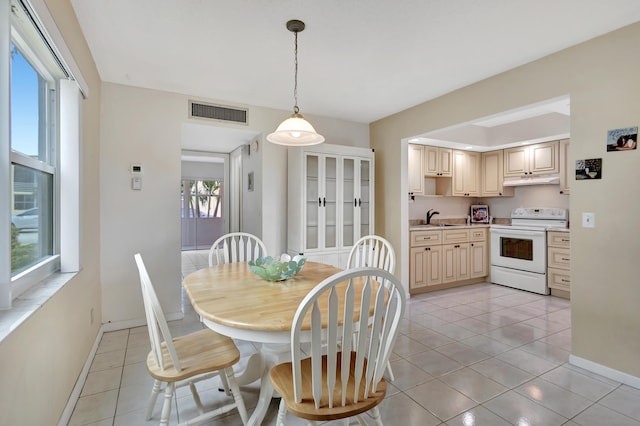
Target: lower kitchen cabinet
x=559, y=263
x=447, y=258
x=427, y=269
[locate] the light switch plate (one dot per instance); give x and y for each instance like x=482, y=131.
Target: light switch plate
x=588, y=220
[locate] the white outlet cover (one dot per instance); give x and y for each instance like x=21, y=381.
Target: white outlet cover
x=588, y=220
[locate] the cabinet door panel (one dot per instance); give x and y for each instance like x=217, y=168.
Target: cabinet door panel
x=462, y=254
x=329, y=202
x=313, y=202
x=449, y=263
x=472, y=175
x=364, y=198
x=431, y=160
x=417, y=268
x=479, y=260
x=446, y=162
x=458, y=173
x=543, y=158
x=349, y=197
x=515, y=162
x=415, y=166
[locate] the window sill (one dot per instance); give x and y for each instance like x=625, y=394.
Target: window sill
x=30, y=301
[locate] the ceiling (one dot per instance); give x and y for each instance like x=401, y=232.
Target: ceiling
x=359, y=61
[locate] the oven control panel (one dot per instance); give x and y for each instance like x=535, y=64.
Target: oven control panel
x=540, y=213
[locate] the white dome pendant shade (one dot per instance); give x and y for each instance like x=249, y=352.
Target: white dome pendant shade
x=295, y=130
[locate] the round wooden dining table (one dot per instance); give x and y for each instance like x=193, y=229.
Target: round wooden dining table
x=235, y=302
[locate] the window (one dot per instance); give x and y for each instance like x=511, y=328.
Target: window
x=39, y=128
x=32, y=171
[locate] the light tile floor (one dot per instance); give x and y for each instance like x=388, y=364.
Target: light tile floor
x=476, y=355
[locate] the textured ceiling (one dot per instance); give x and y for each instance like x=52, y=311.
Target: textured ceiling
x=358, y=60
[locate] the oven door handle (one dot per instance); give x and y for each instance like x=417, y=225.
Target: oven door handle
x=504, y=231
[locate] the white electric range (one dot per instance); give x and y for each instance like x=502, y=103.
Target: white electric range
x=519, y=251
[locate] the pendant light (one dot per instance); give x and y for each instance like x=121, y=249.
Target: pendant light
x=295, y=130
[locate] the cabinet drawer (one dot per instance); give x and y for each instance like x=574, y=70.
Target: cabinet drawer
x=559, y=258
x=559, y=279
x=426, y=238
x=478, y=234
x=455, y=236
x=558, y=239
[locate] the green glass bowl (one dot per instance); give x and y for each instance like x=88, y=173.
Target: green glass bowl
x=277, y=270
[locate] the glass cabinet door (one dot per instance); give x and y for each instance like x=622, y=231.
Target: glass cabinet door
x=313, y=203
x=329, y=202
x=364, y=200
x=348, y=201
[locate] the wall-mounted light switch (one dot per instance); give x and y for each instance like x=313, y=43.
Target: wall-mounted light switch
x=136, y=183
x=588, y=220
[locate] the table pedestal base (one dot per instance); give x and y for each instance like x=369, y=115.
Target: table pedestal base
x=258, y=366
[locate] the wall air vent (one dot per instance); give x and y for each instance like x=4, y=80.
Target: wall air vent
x=217, y=112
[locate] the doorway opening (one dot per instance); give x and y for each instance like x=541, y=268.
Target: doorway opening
x=202, y=213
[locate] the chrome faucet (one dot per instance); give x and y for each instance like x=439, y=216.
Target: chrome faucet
x=430, y=214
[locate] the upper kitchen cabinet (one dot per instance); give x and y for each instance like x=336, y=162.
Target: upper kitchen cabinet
x=466, y=174
x=493, y=175
x=531, y=160
x=437, y=161
x=416, y=168
x=566, y=169
x=331, y=201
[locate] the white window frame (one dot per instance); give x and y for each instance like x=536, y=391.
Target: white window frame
x=66, y=139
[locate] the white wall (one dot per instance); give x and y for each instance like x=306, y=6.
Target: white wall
x=197, y=170
x=144, y=126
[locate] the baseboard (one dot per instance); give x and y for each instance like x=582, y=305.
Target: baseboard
x=77, y=389
x=605, y=371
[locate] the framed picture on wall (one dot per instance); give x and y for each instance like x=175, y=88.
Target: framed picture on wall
x=622, y=139
x=479, y=213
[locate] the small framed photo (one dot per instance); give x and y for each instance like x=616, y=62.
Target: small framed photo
x=622, y=139
x=479, y=213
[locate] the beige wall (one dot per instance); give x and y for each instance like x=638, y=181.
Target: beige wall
x=41, y=360
x=601, y=76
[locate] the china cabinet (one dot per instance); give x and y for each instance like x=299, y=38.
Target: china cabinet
x=330, y=201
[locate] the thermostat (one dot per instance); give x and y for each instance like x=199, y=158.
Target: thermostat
x=136, y=168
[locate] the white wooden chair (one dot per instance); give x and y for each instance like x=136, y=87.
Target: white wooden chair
x=377, y=252
x=334, y=384
x=185, y=360
x=236, y=247
x=372, y=251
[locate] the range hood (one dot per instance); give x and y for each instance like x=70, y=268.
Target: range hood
x=533, y=180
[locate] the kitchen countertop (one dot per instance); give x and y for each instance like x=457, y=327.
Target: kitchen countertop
x=424, y=227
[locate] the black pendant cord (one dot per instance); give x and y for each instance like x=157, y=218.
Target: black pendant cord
x=295, y=84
